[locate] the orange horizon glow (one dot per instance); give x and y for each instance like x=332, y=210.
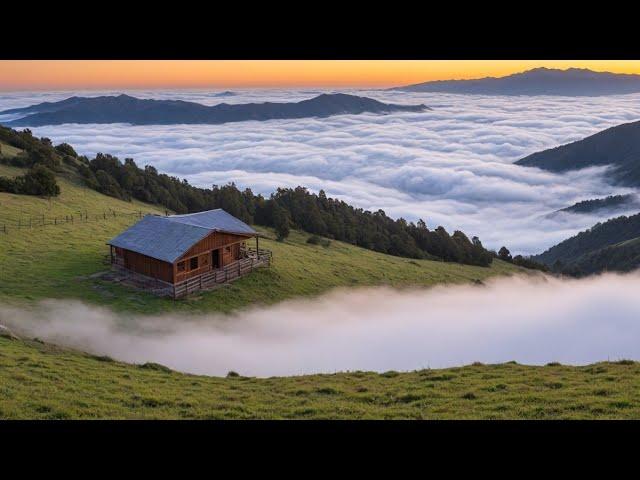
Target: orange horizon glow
x=147, y=74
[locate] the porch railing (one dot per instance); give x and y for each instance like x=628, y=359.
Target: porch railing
x=220, y=276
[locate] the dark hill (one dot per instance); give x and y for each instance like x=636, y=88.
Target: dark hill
x=612, y=245
x=539, y=81
x=612, y=202
x=127, y=109
x=617, y=146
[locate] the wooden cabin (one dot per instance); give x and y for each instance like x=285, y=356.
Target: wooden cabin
x=184, y=253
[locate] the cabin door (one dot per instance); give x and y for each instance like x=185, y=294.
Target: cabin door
x=215, y=258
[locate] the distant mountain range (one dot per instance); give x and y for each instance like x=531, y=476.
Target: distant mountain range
x=127, y=109
x=538, y=81
x=617, y=146
x=226, y=93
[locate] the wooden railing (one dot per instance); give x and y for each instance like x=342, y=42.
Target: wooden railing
x=220, y=276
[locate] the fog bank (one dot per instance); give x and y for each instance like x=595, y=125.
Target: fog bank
x=530, y=320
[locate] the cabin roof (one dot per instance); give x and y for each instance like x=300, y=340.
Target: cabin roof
x=168, y=238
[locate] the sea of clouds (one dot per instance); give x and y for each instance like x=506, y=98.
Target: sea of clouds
x=530, y=319
x=451, y=166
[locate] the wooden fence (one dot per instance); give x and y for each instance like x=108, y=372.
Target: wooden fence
x=78, y=218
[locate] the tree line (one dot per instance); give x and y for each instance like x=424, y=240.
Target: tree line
x=284, y=209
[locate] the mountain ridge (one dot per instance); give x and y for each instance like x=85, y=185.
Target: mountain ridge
x=537, y=81
x=127, y=109
x=618, y=147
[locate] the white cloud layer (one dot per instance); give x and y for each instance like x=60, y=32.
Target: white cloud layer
x=533, y=320
x=451, y=166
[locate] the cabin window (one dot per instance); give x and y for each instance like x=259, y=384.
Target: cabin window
x=181, y=266
x=193, y=263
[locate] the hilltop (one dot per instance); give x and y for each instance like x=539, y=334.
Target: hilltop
x=537, y=81
x=127, y=109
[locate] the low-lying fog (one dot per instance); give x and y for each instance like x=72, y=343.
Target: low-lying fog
x=533, y=320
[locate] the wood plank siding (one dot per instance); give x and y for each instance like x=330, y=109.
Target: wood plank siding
x=215, y=251
x=144, y=265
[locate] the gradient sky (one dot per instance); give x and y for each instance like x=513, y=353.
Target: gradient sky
x=114, y=74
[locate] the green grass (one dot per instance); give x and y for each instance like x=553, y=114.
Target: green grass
x=58, y=261
x=97, y=387
x=7, y=151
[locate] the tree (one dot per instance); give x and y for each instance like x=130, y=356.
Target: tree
x=504, y=254
x=281, y=223
x=38, y=181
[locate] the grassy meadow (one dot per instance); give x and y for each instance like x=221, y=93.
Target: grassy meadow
x=90, y=387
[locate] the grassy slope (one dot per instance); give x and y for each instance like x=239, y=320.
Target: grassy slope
x=56, y=261
x=94, y=387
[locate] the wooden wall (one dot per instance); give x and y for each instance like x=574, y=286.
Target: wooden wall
x=148, y=266
x=229, y=245
x=212, y=242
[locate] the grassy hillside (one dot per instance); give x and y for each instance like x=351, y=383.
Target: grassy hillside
x=58, y=260
x=96, y=387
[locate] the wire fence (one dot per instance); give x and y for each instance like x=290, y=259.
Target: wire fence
x=77, y=218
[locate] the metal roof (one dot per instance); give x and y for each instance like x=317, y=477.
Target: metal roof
x=168, y=238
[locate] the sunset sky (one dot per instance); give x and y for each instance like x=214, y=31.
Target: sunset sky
x=113, y=74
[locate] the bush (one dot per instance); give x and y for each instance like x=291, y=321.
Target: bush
x=155, y=366
x=232, y=374
x=38, y=181
x=66, y=149
x=316, y=240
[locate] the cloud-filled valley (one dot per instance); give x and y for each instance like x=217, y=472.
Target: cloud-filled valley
x=530, y=319
x=450, y=166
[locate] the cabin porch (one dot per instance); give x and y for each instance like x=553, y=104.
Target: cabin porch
x=250, y=259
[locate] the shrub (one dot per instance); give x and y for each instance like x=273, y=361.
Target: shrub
x=66, y=149
x=38, y=180
x=624, y=362
x=316, y=240
x=327, y=391
x=232, y=374
x=155, y=366
x=102, y=358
